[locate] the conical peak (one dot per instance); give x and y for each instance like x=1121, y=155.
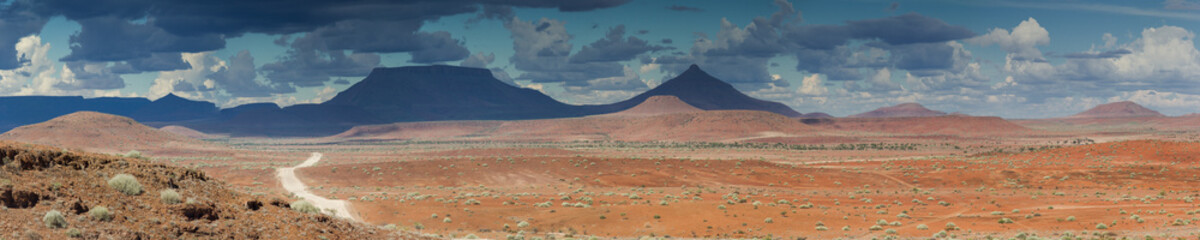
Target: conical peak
x=694, y=69
x=693, y=76
x=170, y=97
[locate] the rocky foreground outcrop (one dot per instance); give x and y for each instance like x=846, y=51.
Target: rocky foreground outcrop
x=35, y=180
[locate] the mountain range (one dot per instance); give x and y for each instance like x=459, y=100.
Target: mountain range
x=386, y=95
x=433, y=93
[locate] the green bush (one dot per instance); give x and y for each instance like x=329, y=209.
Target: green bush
x=169, y=196
x=54, y=219
x=74, y=233
x=133, y=154
x=305, y=207
x=126, y=184
x=100, y=213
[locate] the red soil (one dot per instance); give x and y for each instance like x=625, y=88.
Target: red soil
x=1089, y=183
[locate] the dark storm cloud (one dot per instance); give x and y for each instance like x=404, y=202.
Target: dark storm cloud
x=239, y=78
x=156, y=62
x=741, y=54
x=667, y=41
x=312, y=67
x=543, y=26
x=364, y=36
x=235, y=17
x=822, y=37
x=542, y=51
x=834, y=63
x=16, y=21
x=614, y=47
x=1180, y=5
x=145, y=34
x=922, y=56
x=898, y=30
x=906, y=29
x=478, y=60
x=91, y=76
x=494, y=12
x=1105, y=54
x=683, y=8
x=114, y=39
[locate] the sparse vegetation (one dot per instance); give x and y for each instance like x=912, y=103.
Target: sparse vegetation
x=305, y=207
x=54, y=219
x=74, y=233
x=100, y=213
x=126, y=184
x=169, y=196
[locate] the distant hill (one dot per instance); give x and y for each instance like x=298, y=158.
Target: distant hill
x=959, y=125
x=662, y=104
x=100, y=132
x=24, y=110
x=695, y=87
x=1124, y=109
x=901, y=110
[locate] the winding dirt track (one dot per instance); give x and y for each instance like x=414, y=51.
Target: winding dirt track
x=287, y=177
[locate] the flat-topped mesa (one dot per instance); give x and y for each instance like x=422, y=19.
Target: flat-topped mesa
x=431, y=93
x=1123, y=109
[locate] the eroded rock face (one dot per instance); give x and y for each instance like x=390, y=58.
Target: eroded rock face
x=17, y=198
x=195, y=211
x=254, y=205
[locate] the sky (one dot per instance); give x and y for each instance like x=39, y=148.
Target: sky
x=1015, y=59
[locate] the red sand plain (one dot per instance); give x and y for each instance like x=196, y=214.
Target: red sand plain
x=1039, y=191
